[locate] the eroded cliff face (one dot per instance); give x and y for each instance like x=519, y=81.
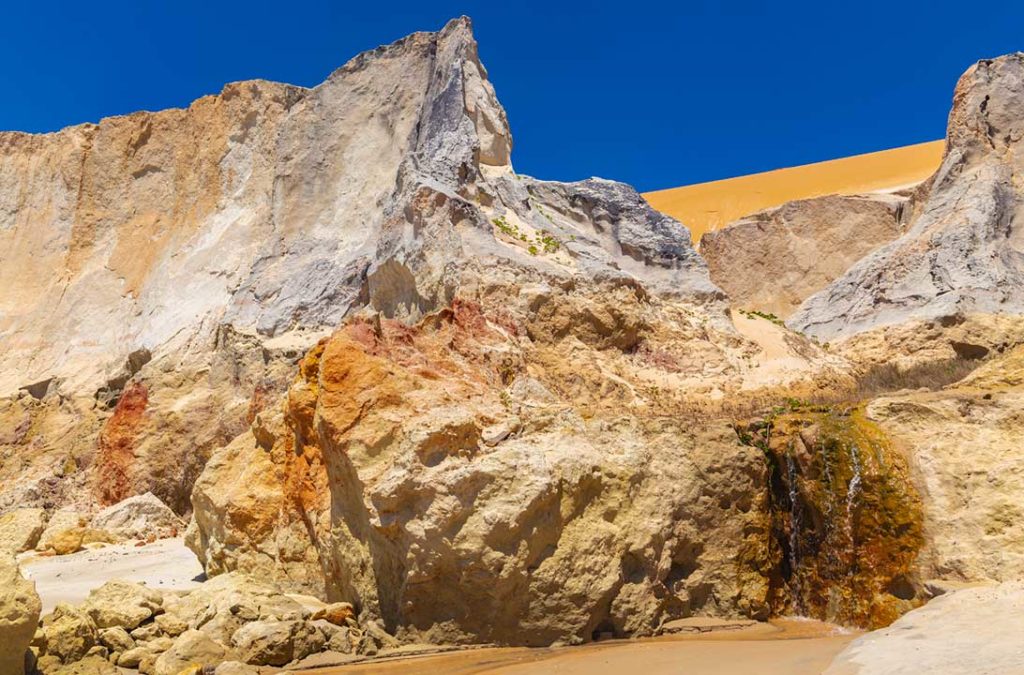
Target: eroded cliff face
x=381, y=367
x=444, y=479
x=163, y=272
x=773, y=260
x=965, y=251
x=966, y=446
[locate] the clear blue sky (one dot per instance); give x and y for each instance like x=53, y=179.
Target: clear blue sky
x=655, y=94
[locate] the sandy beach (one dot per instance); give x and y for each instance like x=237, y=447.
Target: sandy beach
x=166, y=565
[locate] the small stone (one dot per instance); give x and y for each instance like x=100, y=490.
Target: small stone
x=116, y=639
x=171, y=624
x=147, y=632
x=131, y=658
x=337, y=613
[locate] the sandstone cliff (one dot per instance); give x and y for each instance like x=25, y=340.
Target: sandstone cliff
x=164, y=271
x=965, y=251
x=771, y=261
x=381, y=367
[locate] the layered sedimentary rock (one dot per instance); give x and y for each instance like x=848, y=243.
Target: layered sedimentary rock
x=773, y=260
x=966, y=446
x=164, y=271
x=965, y=251
x=382, y=368
x=441, y=479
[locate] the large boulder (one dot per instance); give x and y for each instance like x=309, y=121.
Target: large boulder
x=139, y=517
x=122, y=603
x=968, y=631
x=801, y=246
x=20, y=530
x=54, y=537
x=19, y=616
x=275, y=643
x=69, y=633
x=565, y=529
x=192, y=648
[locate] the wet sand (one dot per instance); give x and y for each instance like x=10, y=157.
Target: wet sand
x=785, y=647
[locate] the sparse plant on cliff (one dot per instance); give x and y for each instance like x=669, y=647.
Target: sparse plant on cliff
x=767, y=316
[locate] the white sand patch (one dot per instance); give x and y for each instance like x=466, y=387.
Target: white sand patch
x=163, y=565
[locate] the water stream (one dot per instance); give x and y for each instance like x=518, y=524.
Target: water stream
x=845, y=520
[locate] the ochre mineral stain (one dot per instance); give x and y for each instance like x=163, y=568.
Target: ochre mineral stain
x=846, y=525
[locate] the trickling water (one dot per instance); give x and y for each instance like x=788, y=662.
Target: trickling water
x=852, y=491
x=794, y=534
x=845, y=521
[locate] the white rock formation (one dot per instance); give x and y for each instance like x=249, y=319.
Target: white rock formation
x=965, y=251
x=139, y=517
x=965, y=632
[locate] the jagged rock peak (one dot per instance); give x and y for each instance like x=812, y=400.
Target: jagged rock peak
x=964, y=252
x=277, y=210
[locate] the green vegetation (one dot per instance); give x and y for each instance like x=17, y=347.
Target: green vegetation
x=541, y=241
x=767, y=316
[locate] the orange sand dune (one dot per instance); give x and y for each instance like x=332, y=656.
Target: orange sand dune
x=709, y=206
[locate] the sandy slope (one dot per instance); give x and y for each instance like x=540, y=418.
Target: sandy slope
x=709, y=206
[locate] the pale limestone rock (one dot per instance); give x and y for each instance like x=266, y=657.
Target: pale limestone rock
x=171, y=624
x=19, y=615
x=225, y=603
x=20, y=530
x=969, y=631
x=964, y=252
x=139, y=517
x=191, y=648
x=276, y=643
x=122, y=603
x=773, y=260
x=131, y=658
x=116, y=639
x=235, y=668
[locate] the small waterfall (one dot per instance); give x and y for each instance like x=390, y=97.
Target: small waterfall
x=794, y=535
x=852, y=491
x=844, y=519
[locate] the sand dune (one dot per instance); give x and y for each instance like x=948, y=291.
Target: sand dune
x=709, y=206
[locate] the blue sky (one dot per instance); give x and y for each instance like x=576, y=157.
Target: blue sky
x=655, y=94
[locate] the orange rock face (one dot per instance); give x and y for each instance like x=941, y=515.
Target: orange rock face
x=115, y=456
